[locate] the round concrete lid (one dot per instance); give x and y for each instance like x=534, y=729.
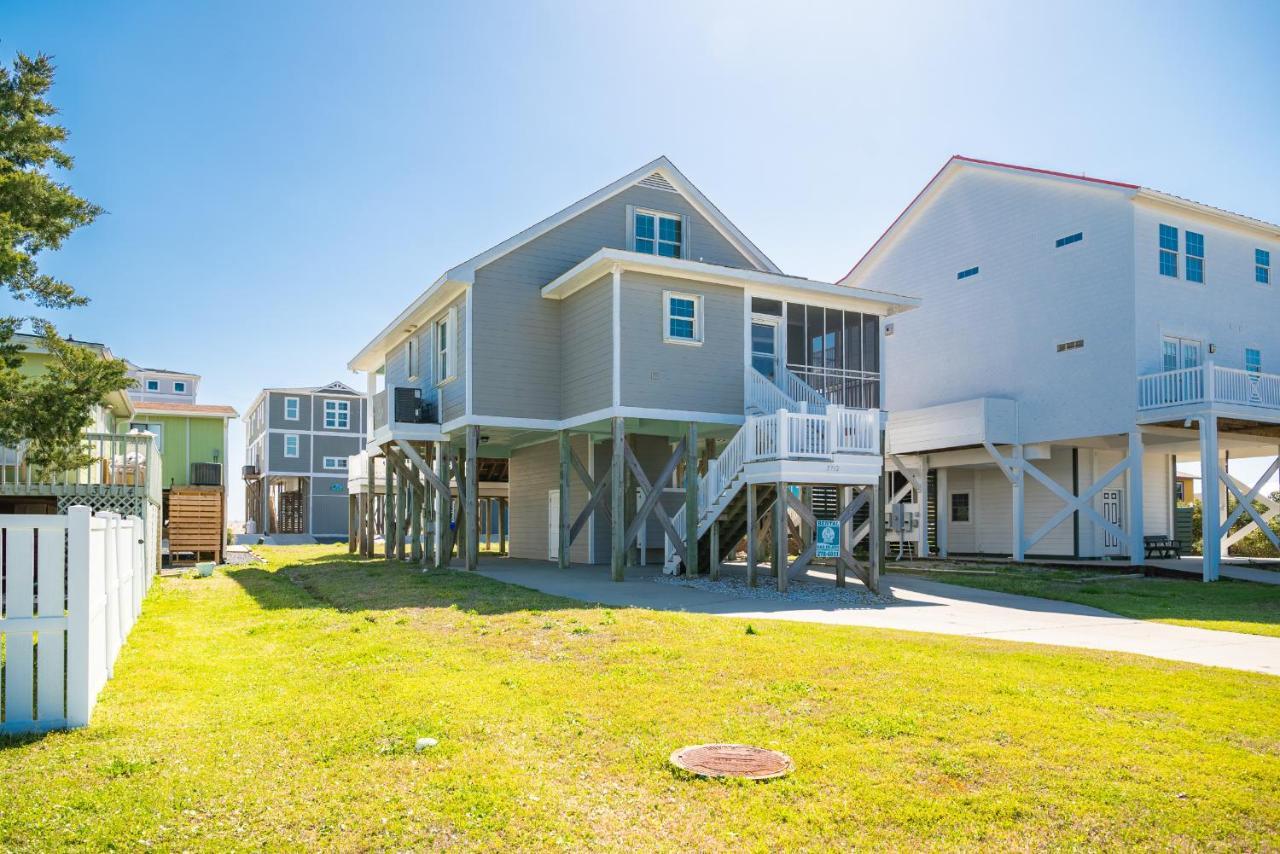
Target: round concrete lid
x=732, y=760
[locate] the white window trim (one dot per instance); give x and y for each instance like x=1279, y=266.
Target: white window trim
x=297, y=446
x=153, y=385
x=951, y=520
x=448, y=345
x=177, y=390
x=667, y=337
x=339, y=463
x=412, y=360
x=297, y=409
x=337, y=407
x=632, y=211
x=1257, y=350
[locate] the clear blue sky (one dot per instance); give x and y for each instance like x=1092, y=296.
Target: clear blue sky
x=282, y=177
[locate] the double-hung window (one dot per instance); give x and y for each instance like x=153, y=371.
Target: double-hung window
x=682, y=318
x=446, y=334
x=1262, y=266
x=657, y=233
x=1195, y=257
x=291, y=409
x=337, y=414
x=1168, y=251
x=960, y=507
x=1253, y=360
x=291, y=445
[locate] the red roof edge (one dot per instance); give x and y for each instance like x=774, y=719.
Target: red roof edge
x=978, y=162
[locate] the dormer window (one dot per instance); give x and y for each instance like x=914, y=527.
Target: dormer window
x=657, y=233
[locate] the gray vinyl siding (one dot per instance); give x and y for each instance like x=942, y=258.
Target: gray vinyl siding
x=254, y=431
x=333, y=446
x=280, y=463
x=275, y=411
x=587, y=348
x=661, y=375
x=453, y=394
x=534, y=471
x=328, y=506
x=652, y=452
x=518, y=341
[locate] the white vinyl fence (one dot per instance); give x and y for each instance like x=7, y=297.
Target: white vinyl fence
x=73, y=588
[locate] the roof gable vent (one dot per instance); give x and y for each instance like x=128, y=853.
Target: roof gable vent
x=657, y=182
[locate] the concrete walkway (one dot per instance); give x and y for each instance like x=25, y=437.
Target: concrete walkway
x=1233, y=569
x=922, y=606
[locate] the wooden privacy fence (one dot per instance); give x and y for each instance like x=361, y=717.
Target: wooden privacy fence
x=73, y=588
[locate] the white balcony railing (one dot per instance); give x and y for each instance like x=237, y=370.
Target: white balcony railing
x=1207, y=384
x=121, y=462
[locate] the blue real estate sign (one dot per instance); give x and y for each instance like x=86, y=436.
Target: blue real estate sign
x=828, y=538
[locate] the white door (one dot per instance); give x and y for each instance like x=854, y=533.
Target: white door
x=764, y=347
x=1112, y=511
x=553, y=524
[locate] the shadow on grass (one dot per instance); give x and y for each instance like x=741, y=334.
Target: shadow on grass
x=354, y=584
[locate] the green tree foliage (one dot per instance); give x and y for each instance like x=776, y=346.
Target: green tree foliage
x=37, y=213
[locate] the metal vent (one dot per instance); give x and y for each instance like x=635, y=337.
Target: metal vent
x=657, y=182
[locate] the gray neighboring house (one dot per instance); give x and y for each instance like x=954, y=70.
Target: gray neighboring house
x=650, y=377
x=297, y=445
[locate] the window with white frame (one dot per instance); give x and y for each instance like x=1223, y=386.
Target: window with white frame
x=1253, y=360
x=961, y=507
x=1168, y=251
x=153, y=385
x=1195, y=257
x=291, y=409
x=337, y=414
x=681, y=318
x=412, y=368
x=291, y=445
x=658, y=233
x=150, y=427
x=446, y=331
x=335, y=463
x=179, y=387
x=1262, y=266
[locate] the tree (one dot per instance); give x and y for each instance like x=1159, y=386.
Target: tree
x=37, y=213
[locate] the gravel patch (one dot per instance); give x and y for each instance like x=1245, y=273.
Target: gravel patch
x=822, y=592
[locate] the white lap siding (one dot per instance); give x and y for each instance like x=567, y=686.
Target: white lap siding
x=535, y=471
x=1041, y=504
x=1157, y=492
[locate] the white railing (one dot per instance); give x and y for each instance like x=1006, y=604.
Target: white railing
x=1208, y=383
x=840, y=386
x=783, y=435
x=798, y=390
x=74, y=587
x=121, y=462
x=763, y=395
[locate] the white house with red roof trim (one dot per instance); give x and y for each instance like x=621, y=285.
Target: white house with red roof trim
x=1078, y=338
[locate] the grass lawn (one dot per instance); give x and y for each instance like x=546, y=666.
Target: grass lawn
x=277, y=707
x=1226, y=604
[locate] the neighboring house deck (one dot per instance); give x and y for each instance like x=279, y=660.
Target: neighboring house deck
x=1079, y=340
x=633, y=358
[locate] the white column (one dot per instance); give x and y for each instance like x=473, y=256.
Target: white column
x=922, y=500
x=1210, y=507
x=1137, y=552
x=1224, y=462
x=944, y=512
x=1019, y=505
x=371, y=383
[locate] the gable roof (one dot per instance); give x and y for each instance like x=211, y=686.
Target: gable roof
x=659, y=173
x=165, y=407
x=959, y=161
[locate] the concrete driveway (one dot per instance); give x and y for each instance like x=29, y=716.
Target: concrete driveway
x=920, y=606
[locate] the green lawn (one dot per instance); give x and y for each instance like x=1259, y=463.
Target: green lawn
x=277, y=708
x=1226, y=605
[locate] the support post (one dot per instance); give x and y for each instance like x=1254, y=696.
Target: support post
x=473, y=495
x=370, y=508
x=415, y=518
x=617, y=499
x=1018, y=484
x=714, y=569
x=1137, y=550
x=444, y=511
x=875, y=542
x=753, y=535
x=691, y=500
x=352, y=514
x=566, y=519
x=922, y=502
x=502, y=526
x=389, y=510
x=780, y=537
x=1211, y=511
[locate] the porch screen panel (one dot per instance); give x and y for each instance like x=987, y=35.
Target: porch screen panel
x=795, y=335
x=870, y=387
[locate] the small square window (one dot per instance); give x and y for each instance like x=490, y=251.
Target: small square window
x=180, y=387
x=682, y=323
x=960, y=507
x=153, y=385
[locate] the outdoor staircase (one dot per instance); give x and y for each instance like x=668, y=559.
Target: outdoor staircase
x=793, y=431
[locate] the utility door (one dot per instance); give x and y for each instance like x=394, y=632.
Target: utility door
x=1113, y=511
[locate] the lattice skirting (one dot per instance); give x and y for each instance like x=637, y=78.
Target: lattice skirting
x=125, y=505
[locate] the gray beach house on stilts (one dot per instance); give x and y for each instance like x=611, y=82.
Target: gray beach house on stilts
x=639, y=382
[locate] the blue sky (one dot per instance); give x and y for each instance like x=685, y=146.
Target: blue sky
x=282, y=177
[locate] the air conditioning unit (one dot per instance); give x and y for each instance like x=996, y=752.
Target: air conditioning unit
x=206, y=474
x=410, y=408
x=248, y=472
